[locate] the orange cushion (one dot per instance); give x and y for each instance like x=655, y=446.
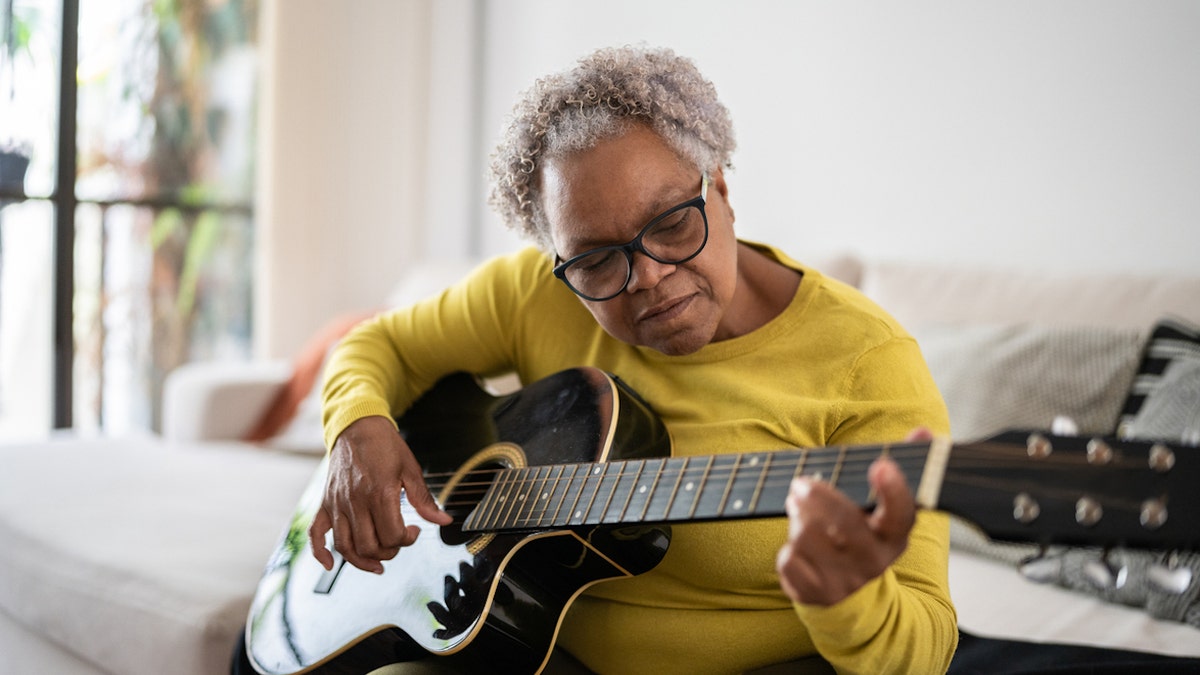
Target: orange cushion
x=306, y=370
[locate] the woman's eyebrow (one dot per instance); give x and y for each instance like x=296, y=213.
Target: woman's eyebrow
x=669, y=199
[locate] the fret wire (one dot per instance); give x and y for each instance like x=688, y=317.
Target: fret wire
x=511, y=486
x=602, y=471
x=546, y=493
x=564, y=485
x=579, y=491
x=567, y=491
x=837, y=467
x=778, y=482
x=524, y=482
x=662, y=463
x=762, y=478
x=632, y=488
x=519, y=502
x=576, y=506
x=675, y=488
x=733, y=471
x=528, y=498
x=745, y=484
x=496, y=498
x=537, y=495
x=542, y=522
x=611, y=493
x=700, y=489
x=800, y=464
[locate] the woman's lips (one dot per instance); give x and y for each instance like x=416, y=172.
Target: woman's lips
x=666, y=311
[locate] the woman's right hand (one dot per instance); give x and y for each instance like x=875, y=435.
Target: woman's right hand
x=369, y=465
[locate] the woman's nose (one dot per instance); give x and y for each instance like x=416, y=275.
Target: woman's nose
x=646, y=272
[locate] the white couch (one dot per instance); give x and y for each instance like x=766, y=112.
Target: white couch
x=140, y=555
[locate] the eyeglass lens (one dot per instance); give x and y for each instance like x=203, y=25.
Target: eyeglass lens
x=675, y=238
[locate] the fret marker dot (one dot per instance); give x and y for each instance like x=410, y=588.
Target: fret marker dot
x=596, y=470
x=579, y=514
x=545, y=495
x=689, y=485
x=737, y=504
x=753, y=461
x=642, y=488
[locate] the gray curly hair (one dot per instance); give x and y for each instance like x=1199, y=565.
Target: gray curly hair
x=597, y=99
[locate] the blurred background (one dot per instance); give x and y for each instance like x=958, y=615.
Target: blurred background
x=217, y=179
x=126, y=202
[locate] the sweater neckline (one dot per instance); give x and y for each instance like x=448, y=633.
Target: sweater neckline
x=785, y=322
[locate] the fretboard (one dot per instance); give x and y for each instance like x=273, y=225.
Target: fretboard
x=677, y=489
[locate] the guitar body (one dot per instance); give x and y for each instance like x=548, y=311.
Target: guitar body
x=464, y=596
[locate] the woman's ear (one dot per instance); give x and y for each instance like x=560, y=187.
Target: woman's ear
x=716, y=182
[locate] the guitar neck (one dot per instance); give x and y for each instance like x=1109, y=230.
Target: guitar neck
x=685, y=489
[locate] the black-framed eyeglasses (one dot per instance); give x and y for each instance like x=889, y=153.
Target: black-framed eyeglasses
x=673, y=237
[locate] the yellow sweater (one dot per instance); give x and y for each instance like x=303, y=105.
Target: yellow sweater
x=832, y=369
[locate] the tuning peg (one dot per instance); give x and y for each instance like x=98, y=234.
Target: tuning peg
x=1169, y=577
x=1162, y=458
x=1153, y=513
x=1099, y=452
x=1104, y=574
x=1041, y=568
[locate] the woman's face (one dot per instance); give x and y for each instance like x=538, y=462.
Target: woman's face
x=606, y=195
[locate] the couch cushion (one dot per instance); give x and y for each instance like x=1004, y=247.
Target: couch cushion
x=219, y=400
x=923, y=293
x=23, y=651
x=139, y=555
x=998, y=377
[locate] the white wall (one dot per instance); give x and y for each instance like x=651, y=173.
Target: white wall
x=1023, y=133
x=342, y=137
x=1045, y=135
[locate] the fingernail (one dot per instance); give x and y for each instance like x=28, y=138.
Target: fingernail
x=801, y=487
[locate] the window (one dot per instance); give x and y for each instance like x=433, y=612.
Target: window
x=149, y=239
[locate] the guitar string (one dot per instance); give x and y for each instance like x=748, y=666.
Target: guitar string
x=725, y=474
x=719, y=471
x=984, y=461
x=963, y=459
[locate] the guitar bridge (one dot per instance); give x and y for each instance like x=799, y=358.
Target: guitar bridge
x=328, y=577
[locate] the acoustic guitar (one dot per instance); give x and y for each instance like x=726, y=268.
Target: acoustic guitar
x=570, y=481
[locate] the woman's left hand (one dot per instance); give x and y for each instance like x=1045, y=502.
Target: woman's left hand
x=833, y=546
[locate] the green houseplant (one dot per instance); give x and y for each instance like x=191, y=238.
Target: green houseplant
x=14, y=156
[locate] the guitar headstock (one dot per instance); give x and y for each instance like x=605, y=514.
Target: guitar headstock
x=1093, y=491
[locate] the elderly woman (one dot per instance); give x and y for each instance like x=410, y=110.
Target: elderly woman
x=616, y=170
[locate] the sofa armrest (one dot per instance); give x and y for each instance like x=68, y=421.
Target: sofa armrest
x=212, y=401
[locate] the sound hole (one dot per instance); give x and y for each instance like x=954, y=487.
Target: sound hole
x=463, y=498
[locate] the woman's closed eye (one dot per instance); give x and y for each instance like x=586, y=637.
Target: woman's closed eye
x=595, y=262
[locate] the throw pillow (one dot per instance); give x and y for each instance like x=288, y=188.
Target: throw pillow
x=1164, y=401
x=293, y=419
x=1021, y=376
